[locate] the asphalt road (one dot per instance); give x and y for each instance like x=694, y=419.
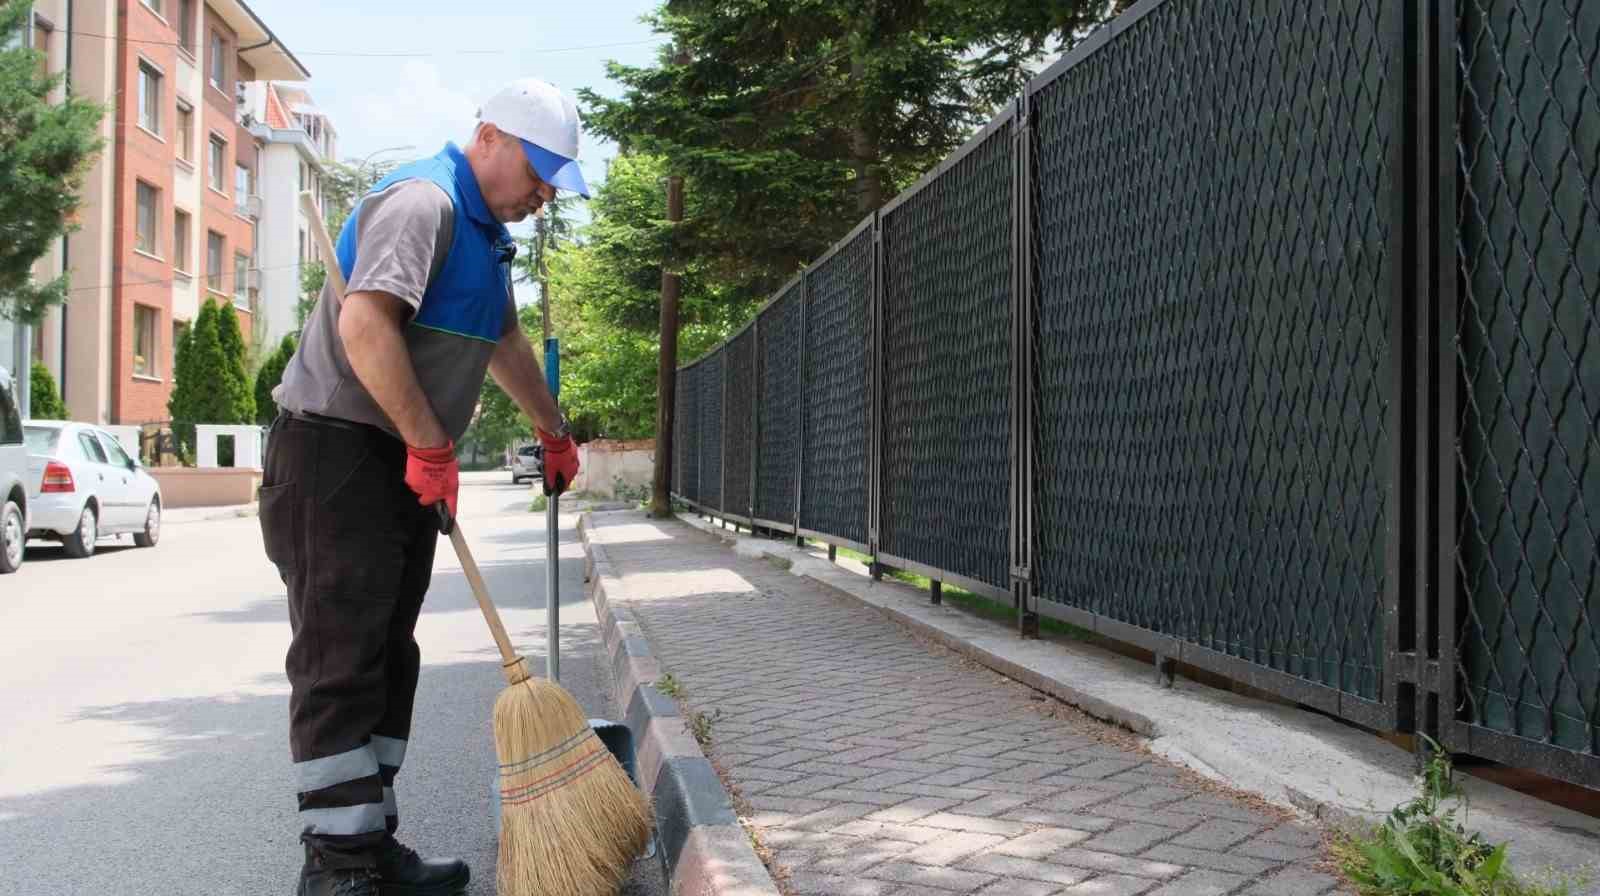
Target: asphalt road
x=144, y=747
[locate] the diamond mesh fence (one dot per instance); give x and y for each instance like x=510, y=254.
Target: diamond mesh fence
x=781, y=399
x=711, y=385
x=947, y=256
x=833, y=497
x=739, y=423
x=1527, y=346
x=1212, y=303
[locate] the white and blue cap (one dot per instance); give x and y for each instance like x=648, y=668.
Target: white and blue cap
x=546, y=122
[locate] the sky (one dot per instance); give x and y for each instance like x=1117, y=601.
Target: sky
x=454, y=60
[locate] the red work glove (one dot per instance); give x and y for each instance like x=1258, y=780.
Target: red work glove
x=434, y=475
x=560, y=461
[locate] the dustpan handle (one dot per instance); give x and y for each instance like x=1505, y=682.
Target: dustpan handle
x=552, y=531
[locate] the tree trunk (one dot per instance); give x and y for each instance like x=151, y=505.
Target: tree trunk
x=864, y=148
x=667, y=369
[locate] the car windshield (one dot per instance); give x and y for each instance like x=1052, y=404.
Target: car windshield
x=527, y=451
x=41, y=439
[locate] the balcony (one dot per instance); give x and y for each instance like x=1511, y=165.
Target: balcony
x=248, y=207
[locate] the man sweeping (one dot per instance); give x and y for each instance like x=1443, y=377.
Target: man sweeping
x=382, y=385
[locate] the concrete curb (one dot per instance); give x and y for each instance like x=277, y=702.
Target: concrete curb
x=1288, y=756
x=705, y=850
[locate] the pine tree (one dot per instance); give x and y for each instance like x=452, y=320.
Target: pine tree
x=268, y=378
x=201, y=394
x=45, y=402
x=241, y=400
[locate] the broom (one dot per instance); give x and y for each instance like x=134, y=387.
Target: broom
x=571, y=821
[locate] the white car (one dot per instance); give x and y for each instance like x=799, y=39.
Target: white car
x=525, y=464
x=83, y=485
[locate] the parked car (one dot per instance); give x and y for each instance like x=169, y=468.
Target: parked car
x=13, y=479
x=84, y=485
x=525, y=464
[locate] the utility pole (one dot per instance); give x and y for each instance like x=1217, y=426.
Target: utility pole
x=667, y=371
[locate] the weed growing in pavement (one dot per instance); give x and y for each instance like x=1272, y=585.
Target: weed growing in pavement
x=1422, y=849
x=669, y=685
x=540, y=504
x=700, y=725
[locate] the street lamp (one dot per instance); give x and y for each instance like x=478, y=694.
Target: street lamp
x=361, y=169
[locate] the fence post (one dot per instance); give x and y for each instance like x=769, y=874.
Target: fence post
x=875, y=411
x=805, y=384
x=722, y=451
x=755, y=423
x=1439, y=713
x=1022, y=566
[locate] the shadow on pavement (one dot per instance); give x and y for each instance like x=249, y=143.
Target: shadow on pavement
x=212, y=810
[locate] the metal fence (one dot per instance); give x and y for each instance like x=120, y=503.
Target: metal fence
x=1265, y=339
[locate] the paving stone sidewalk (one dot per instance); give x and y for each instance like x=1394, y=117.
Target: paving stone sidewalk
x=872, y=763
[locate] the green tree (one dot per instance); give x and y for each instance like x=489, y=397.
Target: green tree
x=200, y=393
x=235, y=378
x=44, y=401
x=268, y=378
x=45, y=148
x=792, y=119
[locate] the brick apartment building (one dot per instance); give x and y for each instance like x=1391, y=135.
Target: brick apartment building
x=170, y=208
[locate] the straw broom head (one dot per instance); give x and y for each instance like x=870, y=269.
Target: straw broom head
x=572, y=822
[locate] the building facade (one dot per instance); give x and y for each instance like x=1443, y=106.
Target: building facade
x=169, y=209
x=296, y=143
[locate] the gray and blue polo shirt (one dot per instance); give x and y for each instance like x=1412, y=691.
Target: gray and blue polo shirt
x=425, y=236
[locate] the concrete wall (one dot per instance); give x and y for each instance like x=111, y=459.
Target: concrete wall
x=190, y=487
x=602, y=463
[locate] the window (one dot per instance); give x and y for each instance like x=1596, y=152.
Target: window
x=302, y=177
x=219, y=161
x=148, y=201
x=241, y=279
x=218, y=61
x=186, y=25
x=214, y=261
x=41, y=42
x=185, y=132
x=144, y=340
x=179, y=330
x=180, y=241
x=242, y=188
x=91, y=448
x=302, y=247
x=114, y=450
x=149, y=98
x=155, y=6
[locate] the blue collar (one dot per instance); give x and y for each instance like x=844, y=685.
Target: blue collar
x=471, y=196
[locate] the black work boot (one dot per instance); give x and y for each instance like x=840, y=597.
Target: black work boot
x=318, y=881
x=401, y=872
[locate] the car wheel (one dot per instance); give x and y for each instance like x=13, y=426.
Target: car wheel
x=80, y=541
x=515, y=479
x=152, y=526
x=12, y=538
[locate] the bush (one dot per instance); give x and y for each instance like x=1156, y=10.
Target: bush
x=44, y=402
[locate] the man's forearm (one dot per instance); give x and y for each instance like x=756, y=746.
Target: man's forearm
x=370, y=327
x=516, y=370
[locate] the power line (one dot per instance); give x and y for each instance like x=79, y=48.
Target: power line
x=190, y=277
x=395, y=54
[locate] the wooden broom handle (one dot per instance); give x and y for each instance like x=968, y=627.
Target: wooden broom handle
x=480, y=591
x=515, y=669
